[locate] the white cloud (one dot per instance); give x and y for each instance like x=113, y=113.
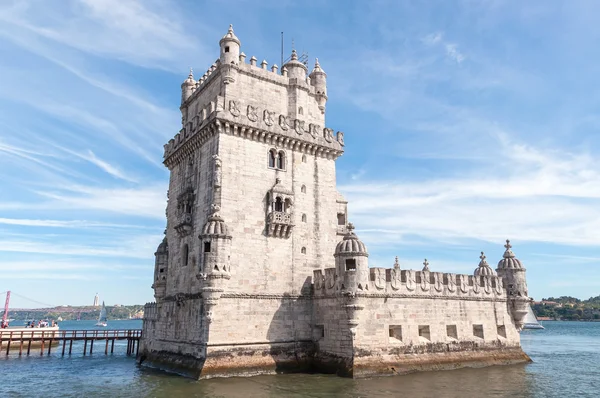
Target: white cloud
x=453, y=53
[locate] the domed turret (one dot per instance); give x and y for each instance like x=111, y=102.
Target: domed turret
x=216, y=244
x=352, y=263
x=509, y=261
x=318, y=79
x=161, y=263
x=215, y=227
x=295, y=69
x=230, y=48
x=484, y=268
x=512, y=272
x=187, y=87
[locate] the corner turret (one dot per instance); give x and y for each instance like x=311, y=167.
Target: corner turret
x=484, y=268
x=161, y=264
x=512, y=273
x=352, y=262
x=230, y=48
x=187, y=87
x=295, y=69
x=318, y=79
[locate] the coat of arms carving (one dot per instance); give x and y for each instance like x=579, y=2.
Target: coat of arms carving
x=313, y=129
x=396, y=279
x=340, y=138
x=299, y=126
x=252, y=113
x=451, y=283
x=410, y=280
x=379, y=278
x=330, y=278
x=234, y=108
x=328, y=134
x=319, y=280
x=284, y=122
x=268, y=117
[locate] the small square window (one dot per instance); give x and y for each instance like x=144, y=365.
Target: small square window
x=395, y=334
x=424, y=332
x=350, y=264
x=319, y=332
x=501, y=331
x=226, y=49
x=451, y=331
x=206, y=247
x=478, y=331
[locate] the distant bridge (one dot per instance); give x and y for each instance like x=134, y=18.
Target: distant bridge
x=61, y=309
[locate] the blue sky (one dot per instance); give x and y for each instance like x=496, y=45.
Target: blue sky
x=466, y=123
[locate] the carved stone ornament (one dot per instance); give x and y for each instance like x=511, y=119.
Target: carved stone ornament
x=487, y=285
x=380, y=278
x=313, y=129
x=476, y=285
x=319, y=281
x=410, y=280
x=425, y=285
x=234, y=108
x=328, y=134
x=284, y=122
x=464, y=284
x=499, y=286
x=451, y=283
x=438, y=284
x=330, y=278
x=252, y=113
x=340, y=138
x=268, y=117
x=396, y=278
x=299, y=126
x=217, y=171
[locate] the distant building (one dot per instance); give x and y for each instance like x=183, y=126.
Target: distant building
x=260, y=270
x=96, y=300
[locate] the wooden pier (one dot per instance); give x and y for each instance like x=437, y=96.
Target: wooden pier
x=28, y=342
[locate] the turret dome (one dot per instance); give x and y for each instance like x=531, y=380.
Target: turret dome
x=163, y=248
x=215, y=226
x=351, y=245
x=484, y=268
x=229, y=36
x=190, y=82
x=509, y=261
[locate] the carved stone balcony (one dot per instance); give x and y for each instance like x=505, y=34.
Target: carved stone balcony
x=184, y=225
x=279, y=224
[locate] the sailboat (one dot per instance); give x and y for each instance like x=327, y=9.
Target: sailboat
x=102, y=317
x=531, y=321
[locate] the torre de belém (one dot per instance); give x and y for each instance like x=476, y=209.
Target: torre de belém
x=260, y=271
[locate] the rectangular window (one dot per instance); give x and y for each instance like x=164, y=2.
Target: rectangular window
x=502, y=331
x=350, y=264
x=341, y=219
x=424, y=332
x=478, y=331
x=319, y=332
x=451, y=331
x=206, y=247
x=226, y=49
x=395, y=334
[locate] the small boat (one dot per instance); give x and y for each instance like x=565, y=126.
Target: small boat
x=102, y=317
x=531, y=321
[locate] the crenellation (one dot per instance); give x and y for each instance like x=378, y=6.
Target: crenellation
x=260, y=270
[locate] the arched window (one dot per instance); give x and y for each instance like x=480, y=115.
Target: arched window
x=303, y=217
x=272, y=158
x=281, y=160
x=300, y=111
x=303, y=250
x=303, y=189
x=303, y=158
x=184, y=255
x=278, y=204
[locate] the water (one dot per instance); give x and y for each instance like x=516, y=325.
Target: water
x=566, y=364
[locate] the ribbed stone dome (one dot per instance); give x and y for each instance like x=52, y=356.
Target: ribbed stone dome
x=230, y=36
x=215, y=226
x=351, y=245
x=509, y=261
x=163, y=247
x=484, y=268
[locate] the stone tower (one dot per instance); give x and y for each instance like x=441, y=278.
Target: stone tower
x=259, y=270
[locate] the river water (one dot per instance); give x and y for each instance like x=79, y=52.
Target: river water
x=566, y=363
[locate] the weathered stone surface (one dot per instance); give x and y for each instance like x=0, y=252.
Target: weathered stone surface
x=260, y=271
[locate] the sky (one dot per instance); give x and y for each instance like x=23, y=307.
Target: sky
x=466, y=123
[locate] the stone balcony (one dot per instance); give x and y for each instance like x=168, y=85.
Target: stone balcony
x=184, y=224
x=279, y=224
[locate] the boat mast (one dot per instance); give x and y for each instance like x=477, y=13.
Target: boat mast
x=5, y=316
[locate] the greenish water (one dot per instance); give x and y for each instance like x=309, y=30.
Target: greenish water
x=566, y=364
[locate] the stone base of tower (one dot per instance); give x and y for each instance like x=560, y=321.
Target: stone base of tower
x=389, y=365
x=234, y=360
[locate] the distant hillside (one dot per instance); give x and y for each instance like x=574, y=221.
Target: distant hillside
x=568, y=308
x=85, y=313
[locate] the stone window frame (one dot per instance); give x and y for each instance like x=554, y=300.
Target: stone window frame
x=304, y=218
x=276, y=159
x=185, y=255
x=303, y=189
x=395, y=334
x=303, y=250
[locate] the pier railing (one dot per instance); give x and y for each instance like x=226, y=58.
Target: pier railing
x=25, y=340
